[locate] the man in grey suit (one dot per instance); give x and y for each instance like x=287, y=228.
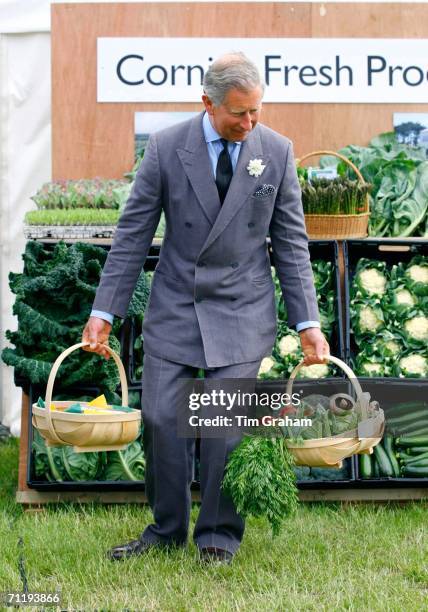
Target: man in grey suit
x=224, y=182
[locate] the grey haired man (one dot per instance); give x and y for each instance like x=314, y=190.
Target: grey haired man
x=224, y=182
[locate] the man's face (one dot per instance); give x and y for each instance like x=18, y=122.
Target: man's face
x=237, y=115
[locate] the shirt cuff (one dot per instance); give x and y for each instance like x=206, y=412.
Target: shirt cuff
x=306, y=324
x=106, y=316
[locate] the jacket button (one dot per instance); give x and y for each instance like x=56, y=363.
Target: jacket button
x=198, y=299
x=251, y=224
x=201, y=264
x=235, y=264
x=188, y=224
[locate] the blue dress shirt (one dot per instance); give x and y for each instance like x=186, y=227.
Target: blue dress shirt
x=212, y=138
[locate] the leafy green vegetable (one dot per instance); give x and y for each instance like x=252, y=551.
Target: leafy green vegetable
x=367, y=317
x=270, y=369
x=287, y=352
x=128, y=464
x=399, y=177
x=370, y=363
x=413, y=365
x=54, y=296
x=260, y=479
x=415, y=328
x=62, y=464
x=414, y=275
x=81, y=466
x=370, y=278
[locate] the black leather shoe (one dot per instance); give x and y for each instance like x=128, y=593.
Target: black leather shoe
x=131, y=549
x=215, y=556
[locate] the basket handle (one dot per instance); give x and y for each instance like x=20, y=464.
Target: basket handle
x=53, y=373
x=343, y=158
x=357, y=387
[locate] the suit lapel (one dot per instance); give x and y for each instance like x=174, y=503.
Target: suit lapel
x=197, y=166
x=241, y=186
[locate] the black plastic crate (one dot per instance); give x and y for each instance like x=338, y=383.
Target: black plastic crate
x=393, y=251
x=328, y=250
x=390, y=393
x=316, y=477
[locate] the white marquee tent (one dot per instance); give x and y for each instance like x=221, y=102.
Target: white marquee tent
x=25, y=145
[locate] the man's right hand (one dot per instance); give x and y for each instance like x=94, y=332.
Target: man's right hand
x=96, y=332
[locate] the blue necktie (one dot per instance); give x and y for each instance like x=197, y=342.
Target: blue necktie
x=224, y=171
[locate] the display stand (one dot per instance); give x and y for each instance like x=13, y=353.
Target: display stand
x=32, y=499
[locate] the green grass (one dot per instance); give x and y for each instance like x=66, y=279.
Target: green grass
x=329, y=557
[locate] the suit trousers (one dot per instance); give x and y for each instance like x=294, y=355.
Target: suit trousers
x=170, y=460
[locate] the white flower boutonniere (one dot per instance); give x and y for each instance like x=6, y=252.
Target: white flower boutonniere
x=255, y=167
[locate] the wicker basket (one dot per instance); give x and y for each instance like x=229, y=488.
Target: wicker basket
x=337, y=226
x=330, y=452
x=86, y=432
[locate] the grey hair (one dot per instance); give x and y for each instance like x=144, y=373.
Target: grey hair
x=231, y=71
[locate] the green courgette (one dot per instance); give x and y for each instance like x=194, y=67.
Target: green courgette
x=405, y=432
x=385, y=467
x=388, y=446
x=420, y=457
x=405, y=457
x=409, y=427
x=416, y=433
x=421, y=463
x=366, y=468
x=417, y=450
x=421, y=472
x=405, y=408
x=412, y=441
x=375, y=465
x=410, y=416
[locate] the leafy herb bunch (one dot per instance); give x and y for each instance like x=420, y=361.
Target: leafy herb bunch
x=261, y=481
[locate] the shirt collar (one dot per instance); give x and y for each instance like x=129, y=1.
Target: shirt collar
x=209, y=132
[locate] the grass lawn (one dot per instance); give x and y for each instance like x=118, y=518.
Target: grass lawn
x=329, y=557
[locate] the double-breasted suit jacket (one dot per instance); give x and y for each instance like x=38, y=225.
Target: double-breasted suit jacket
x=212, y=299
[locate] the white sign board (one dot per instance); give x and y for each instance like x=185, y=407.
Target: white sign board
x=294, y=69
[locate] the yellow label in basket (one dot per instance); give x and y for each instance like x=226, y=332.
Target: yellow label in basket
x=99, y=402
x=95, y=411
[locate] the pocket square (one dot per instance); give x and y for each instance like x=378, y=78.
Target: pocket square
x=263, y=191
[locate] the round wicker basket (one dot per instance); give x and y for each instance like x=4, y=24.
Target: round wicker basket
x=337, y=226
x=330, y=452
x=86, y=432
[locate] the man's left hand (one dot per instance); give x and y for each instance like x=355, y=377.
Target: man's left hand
x=314, y=346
